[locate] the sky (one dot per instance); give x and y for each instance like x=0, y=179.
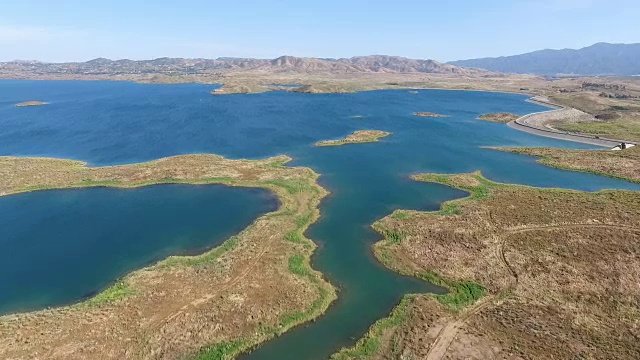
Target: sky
x=58, y=31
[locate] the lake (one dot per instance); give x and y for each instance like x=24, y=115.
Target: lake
x=108, y=123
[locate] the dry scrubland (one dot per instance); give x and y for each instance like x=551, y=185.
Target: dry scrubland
x=254, y=286
x=623, y=164
x=357, y=137
x=534, y=273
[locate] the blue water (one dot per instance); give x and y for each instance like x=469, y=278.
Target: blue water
x=113, y=123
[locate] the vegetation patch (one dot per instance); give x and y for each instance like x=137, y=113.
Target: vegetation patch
x=297, y=265
x=115, y=292
x=461, y=293
x=223, y=351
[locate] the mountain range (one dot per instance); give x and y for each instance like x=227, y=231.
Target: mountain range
x=597, y=59
x=180, y=66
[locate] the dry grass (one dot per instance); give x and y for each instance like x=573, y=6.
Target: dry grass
x=622, y=125
x=624, y=164
x=560, y=268
x=357, y=137
x=218, y=303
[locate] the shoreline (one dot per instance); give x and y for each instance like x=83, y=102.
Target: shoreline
x=375, y=342
x=293, y=203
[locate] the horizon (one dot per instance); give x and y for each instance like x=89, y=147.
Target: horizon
x=200, y=30
x=285, y=55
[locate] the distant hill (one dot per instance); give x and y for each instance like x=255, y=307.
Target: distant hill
x=597, y=59
x=283, y=64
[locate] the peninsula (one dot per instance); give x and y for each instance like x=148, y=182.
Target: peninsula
x=177, y=307
x=526, y=260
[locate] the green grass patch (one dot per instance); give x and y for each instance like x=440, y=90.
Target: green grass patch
x=400, y=215
x=293, y=186
x=294, y=236
x=461, y=293
x=391, y=236
x=449, y=208
x=222, y=351
x=394, y=237
x=297, y=265
x=207, y=258
x=277, y=163
x=304, y=220
x=115, y=292
x=479, y=192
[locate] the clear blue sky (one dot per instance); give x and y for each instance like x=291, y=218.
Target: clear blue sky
x=442, y=30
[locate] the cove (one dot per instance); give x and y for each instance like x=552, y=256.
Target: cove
x=59, y=246
x=92, y=121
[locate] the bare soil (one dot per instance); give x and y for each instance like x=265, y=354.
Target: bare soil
x=560, y=267
x=228, y=299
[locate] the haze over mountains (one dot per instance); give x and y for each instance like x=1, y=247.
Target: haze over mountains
x=597, y=59
x=179, y=66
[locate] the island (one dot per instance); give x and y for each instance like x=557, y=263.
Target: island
x=178, y=306
x=31, y=103
x=357, y=137
x=514, y=258
x=498, y=117
x=429, y=114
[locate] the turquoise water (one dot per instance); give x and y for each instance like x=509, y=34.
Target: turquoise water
x=112, y=123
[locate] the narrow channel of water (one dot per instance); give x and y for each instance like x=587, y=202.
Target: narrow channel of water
x=111, y=123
